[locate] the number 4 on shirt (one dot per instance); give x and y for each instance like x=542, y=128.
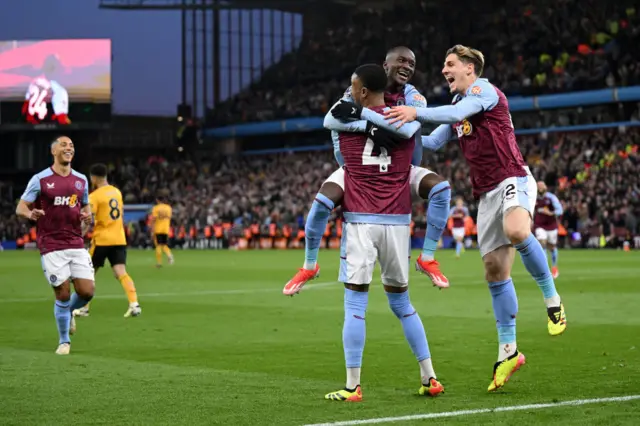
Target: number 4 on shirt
x=368, y=159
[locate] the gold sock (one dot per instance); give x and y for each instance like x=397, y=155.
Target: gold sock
x=129, y=288
x=159, y=255
x=167, y=251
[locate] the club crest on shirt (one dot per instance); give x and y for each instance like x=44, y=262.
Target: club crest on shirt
x=53, y=279
x=79, y=185
x=465, y=128
x=476, y=90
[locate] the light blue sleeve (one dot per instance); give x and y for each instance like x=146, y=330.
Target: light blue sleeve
x=481, y=96
x=337, y=125
x=334, y=124
x=335, y=139
x=438, y=138
x=557, y=207
x=406, y=131
x=414, y=98
x=450, y=114
x=418, y=150
x=32, y=191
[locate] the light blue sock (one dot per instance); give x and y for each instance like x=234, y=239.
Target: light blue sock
x=63, y=320
x=505, y=309
x=437, y=216
x=77, y=302
x=354, y=330
x=411, y=324
x=317, y=220
x=554, y=257
x=458, y=248
x=535, y=260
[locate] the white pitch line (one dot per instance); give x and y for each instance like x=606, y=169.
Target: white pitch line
x=573, y=403
x=178, y=294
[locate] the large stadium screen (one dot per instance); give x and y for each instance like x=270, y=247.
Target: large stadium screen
x=51, y=84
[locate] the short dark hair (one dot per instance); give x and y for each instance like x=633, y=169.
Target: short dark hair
x=98, y=170
x=398, y=49
x=372, y=76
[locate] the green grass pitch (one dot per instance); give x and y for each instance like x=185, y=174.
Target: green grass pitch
x=217, y=343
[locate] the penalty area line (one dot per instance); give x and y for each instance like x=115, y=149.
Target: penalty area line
x=573, y=403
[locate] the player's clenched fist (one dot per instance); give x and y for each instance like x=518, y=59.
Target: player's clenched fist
x=401, y=114
x=36, y=214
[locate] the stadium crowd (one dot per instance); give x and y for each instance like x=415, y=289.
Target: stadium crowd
x=546, y=46
x=595, y=174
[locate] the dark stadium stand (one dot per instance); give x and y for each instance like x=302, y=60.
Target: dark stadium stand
x=543, y=47
x=552, y=47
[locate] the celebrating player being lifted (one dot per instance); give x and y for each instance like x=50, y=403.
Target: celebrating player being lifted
x=57, y=198
x=109, y=240
x=479, y=118
x=426, y=185
x=377, y=213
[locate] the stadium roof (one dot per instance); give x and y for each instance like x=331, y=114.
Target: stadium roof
x=286, y=5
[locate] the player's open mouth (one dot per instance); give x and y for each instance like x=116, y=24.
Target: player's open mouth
x=450, y=80
x=404, y=74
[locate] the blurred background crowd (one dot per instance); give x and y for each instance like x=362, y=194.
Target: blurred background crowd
x=545, y=47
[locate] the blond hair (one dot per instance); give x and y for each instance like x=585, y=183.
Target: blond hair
x=469, y=56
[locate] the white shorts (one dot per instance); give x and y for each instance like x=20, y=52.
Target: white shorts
x=362, y=244
x=549, y=236
x=61, y=265
x=416, y=176
x=511, y=192
x=458, y=233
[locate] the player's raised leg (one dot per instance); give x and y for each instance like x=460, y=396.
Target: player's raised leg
x=505, y=309
x=392, y=252
x=330, y=194
x=517, y=228
x=437, y=192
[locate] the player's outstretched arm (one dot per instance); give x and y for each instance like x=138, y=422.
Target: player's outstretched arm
x=448, y=114
x=438, y=138
x=334, y=124
x=407, y=130
x=480, y=97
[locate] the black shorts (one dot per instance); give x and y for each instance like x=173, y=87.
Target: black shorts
x=117, y=255
x=162, y=239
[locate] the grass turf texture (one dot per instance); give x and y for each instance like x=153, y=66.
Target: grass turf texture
x=218, y=343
